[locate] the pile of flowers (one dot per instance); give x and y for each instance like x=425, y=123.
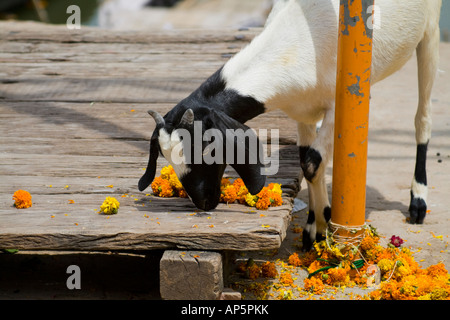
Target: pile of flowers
x=168, y=185
x=339, y=264
x=110, y=206
x=269, y=196
x=22, y=199
x=253, y=270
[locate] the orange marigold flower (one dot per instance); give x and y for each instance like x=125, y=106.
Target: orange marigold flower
x=295, y=260
x=275, y=199
x=182, y=193
x=238, y=183
x=262, y=203
x=22, y=199
x=437, y=270
x=228, y=194
x=369, y=242
x=253, y=271
x=268, y=270
x=225, y=182
x=241, y=190
x=161, y=187
x=308, y=258
x=375, y=295
x=337, y=276
x=286, y=279
x=314, y=285
x=316, y=265
x=168, y=184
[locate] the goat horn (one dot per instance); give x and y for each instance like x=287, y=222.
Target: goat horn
x=158, y=118
x=188, y=117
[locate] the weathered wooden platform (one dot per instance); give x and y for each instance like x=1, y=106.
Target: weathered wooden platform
x=74, y=129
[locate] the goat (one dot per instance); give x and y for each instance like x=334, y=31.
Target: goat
x=291, y=65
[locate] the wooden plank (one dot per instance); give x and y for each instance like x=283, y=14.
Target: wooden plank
x=126, y=124
x=71, y=51
x=38, y=32
x=70, y=132
x=139, y=225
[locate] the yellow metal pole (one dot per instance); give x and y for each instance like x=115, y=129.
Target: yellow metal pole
x=354, y=61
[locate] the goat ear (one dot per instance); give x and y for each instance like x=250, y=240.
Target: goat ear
x=251, y=175
x=149, y=174
x=247, y=158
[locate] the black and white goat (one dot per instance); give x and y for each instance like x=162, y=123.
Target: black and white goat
x=291, y=65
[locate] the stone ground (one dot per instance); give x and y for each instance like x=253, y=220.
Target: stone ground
x=390, y=169
x=391, y=162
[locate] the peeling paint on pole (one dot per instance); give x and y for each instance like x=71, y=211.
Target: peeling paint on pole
x=367, y=15
x=348, y=20
x=355, y=88
x=352, y=112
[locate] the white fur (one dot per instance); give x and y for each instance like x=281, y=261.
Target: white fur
x=168, y=143
x=291, y=65
x=419, y=190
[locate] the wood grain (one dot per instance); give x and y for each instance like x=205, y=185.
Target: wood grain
x=74, y=126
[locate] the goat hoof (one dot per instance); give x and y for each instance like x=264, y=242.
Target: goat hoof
x=311, y=163
x=319, y=237
x=417, y=210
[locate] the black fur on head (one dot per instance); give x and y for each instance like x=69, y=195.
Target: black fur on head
x=202, y=180
x=216, y=109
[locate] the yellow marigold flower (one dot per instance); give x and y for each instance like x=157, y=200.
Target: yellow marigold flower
x=439, y=294
x=166, y=172
x=241, y=193
x=174, y=182
x=22, y=199
x=110, y=206
x=385, y=265
x=369, y=242
x=402, y=271
x=251, y=199
x=275, y=187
